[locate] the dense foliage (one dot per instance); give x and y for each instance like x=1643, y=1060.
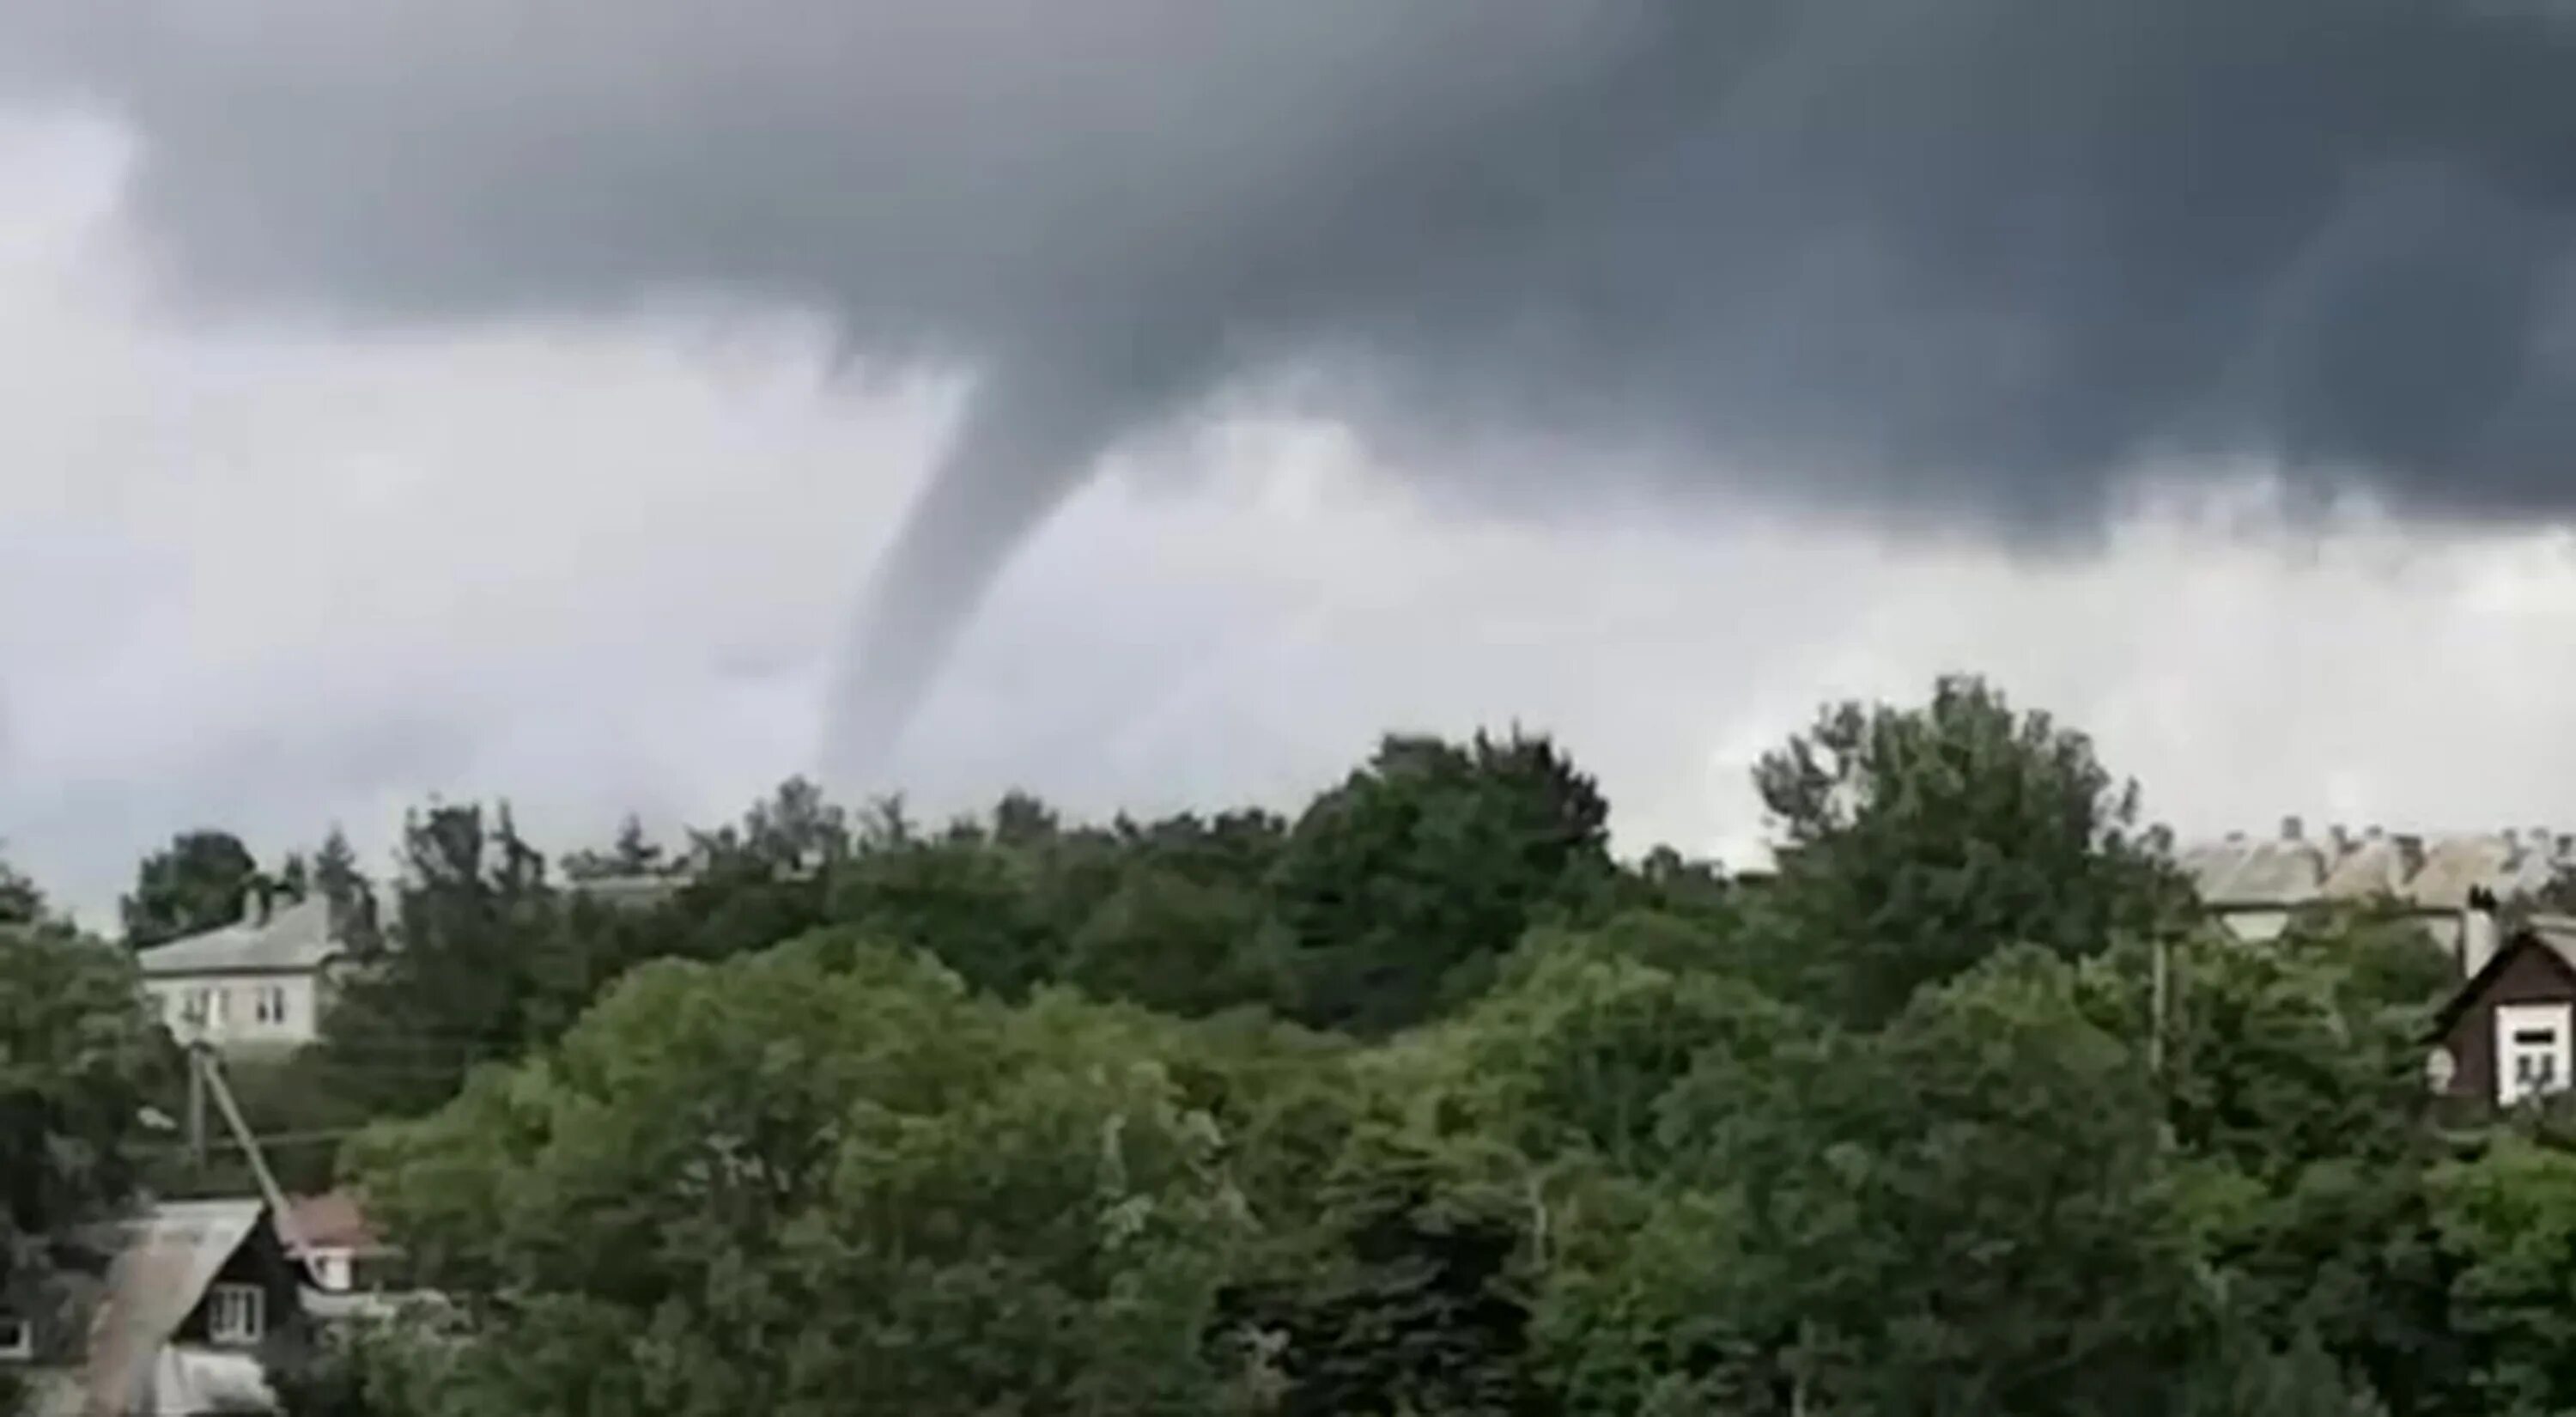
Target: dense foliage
x=79, y=1056
x=79, y=1060
x=199, y=882
x=1417, y=1102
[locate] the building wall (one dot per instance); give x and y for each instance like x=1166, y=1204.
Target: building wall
x=232, y=1006
x=2255, y=927
x=2531, y=976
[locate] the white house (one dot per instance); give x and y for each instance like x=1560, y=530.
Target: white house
x=263, y=981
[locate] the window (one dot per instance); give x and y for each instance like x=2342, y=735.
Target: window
x=2535, y=1061
x=2532, y=1043
x=268, y=1003
x=192, y=1008
x=17, y=1339
x=236, y=1313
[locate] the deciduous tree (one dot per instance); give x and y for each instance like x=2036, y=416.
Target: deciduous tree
x=196, y=883
x=827, y=1179
x=1917, y=841
x=1400, y=887
x=79, y=1059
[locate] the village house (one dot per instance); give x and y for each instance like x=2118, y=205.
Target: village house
x=2509, y=1033
x=200, y=1301
x=263, y=981
x=267, y=980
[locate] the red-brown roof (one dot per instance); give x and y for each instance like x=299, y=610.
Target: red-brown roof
x=332, y=1221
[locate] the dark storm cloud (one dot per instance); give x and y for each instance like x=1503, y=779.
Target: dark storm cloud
x=1964, y=259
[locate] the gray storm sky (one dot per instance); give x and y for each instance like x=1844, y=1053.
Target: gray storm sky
x=383, y=421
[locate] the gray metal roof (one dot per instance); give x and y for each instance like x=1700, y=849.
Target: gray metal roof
x=2376, y=867
x=295, y=939
x=2286, y=872
x=2454, y=867
x=2288, y=869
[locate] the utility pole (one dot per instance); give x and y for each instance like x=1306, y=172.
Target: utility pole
x=197, y=1108
x=281, y=1211
x=2160, y=991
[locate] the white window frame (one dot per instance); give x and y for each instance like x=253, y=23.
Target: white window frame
x=17, y=1338
x=268, y=1003
x=236, y=1314
x=2532, y=1033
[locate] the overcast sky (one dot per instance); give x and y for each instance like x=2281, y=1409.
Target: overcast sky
x=271, y=571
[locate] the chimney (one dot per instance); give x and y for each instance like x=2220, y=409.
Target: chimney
x=2293, y=829
x=255, y=904
x=2410, y=854
x=2478, y=932
x=2339, y=837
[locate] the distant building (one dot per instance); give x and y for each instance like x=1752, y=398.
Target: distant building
x=2254, y=885
x=634, y=892
x=263, y=981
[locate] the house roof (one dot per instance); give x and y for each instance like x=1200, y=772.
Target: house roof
x=295, y=939
x=171, y=1253
x=2293, y=867
x=2454, y=867
x=2555, y=935
x=2285, y=872
x=331, y=1221
x=2373, y=867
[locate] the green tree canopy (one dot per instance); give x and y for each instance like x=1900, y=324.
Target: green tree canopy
x=1399, y=887
x=1920, y=840
x=197, y=883
x=1420, y=1104
x=21, y=904
x=827, y=1179
x=79, y=1059
x=1968, y=1211
x=633, y=853
x=473, y=979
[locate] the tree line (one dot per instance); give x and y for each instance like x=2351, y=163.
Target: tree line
x=1415, y=1102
